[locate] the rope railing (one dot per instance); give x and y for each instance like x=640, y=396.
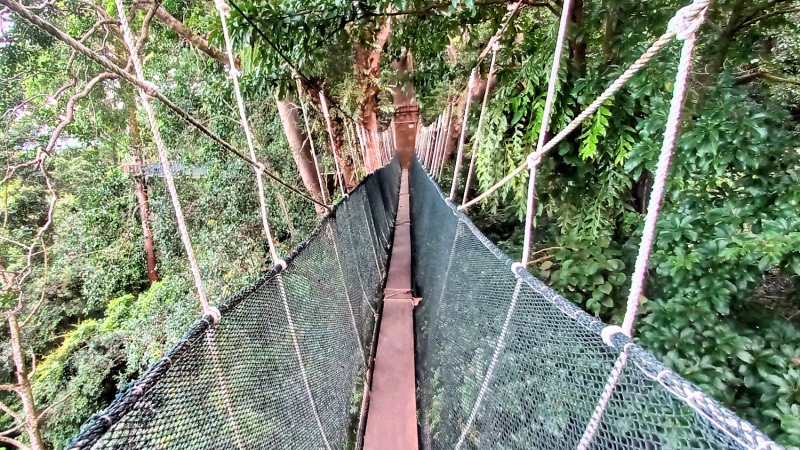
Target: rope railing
x=323, y=190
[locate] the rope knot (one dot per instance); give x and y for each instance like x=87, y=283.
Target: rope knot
x=234, y=72
x=533, y=159
x=260, y=167
x=223, y=7
x=150, y=89
x=688, y=19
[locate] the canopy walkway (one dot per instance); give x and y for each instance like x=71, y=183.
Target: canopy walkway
x=474, y=353
x=502, y=361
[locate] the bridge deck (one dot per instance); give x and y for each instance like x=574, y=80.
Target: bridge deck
x=392, y=415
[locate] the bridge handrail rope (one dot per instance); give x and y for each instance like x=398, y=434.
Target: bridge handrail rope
x=150, y=88
x=462, y=137
x=613, y=88
x=224, y=10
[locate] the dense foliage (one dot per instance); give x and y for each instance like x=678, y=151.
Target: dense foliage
x=722, y=297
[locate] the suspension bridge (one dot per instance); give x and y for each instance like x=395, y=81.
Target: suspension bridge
x=398, y=325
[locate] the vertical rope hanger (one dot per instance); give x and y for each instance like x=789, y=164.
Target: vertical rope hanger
x=327, y=115
x=322, y=188
x=464, y=122
x=477, y=138
x=548, y=107
x=685, y=25
x=224, y=11
x=130, y=43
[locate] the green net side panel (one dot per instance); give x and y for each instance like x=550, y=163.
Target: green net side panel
x=284, y=367
x=503, y=362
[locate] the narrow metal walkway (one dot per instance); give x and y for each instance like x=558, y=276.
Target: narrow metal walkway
x=392, y=415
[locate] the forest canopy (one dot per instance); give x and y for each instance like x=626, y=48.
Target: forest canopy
x=95, y=284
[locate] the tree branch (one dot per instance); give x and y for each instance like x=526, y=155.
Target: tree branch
x=768, y=76
x=14, y=442
x=54, y=404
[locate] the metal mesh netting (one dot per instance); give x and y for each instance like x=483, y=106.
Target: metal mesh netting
x=284, y=367
x=503, y=362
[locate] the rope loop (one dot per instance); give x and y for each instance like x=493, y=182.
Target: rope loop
x=213, y=312
x=223, y=7
x=688, y=19
x=280, y=265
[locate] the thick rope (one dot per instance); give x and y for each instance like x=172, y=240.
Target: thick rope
x=144, y=96
x=612, y=89
x=445, y=142
x=327, y=115
x=476, y=139
x=323, y=190
x=149, y=87
x=299, y=355
x=464, y=122
x=548, y=108
x=685, y=24
x=440, y=137
x=224, y=10
x=487, y=379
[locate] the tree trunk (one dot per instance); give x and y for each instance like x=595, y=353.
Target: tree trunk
x=177, y=27
x=367, y=70
x=345, y=163
x=149, y=242
x=143, y=198
x=300, y=147
x=719, y=52
x=577, y=41
x=23, y=388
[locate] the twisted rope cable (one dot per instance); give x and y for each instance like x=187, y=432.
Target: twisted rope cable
x=465, y=120
x=224, y=10
x=145, y=95
x=685, y=24
x=692, y=11
x=327, y=115
x=548, y=108
x=685, y=27
x=476, y=139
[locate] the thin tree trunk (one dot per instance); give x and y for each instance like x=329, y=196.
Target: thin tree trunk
x=301, y=148
x=23, y=388
x=177, y=27
x=149, y=242
x=143, y=199
x=346, y=164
